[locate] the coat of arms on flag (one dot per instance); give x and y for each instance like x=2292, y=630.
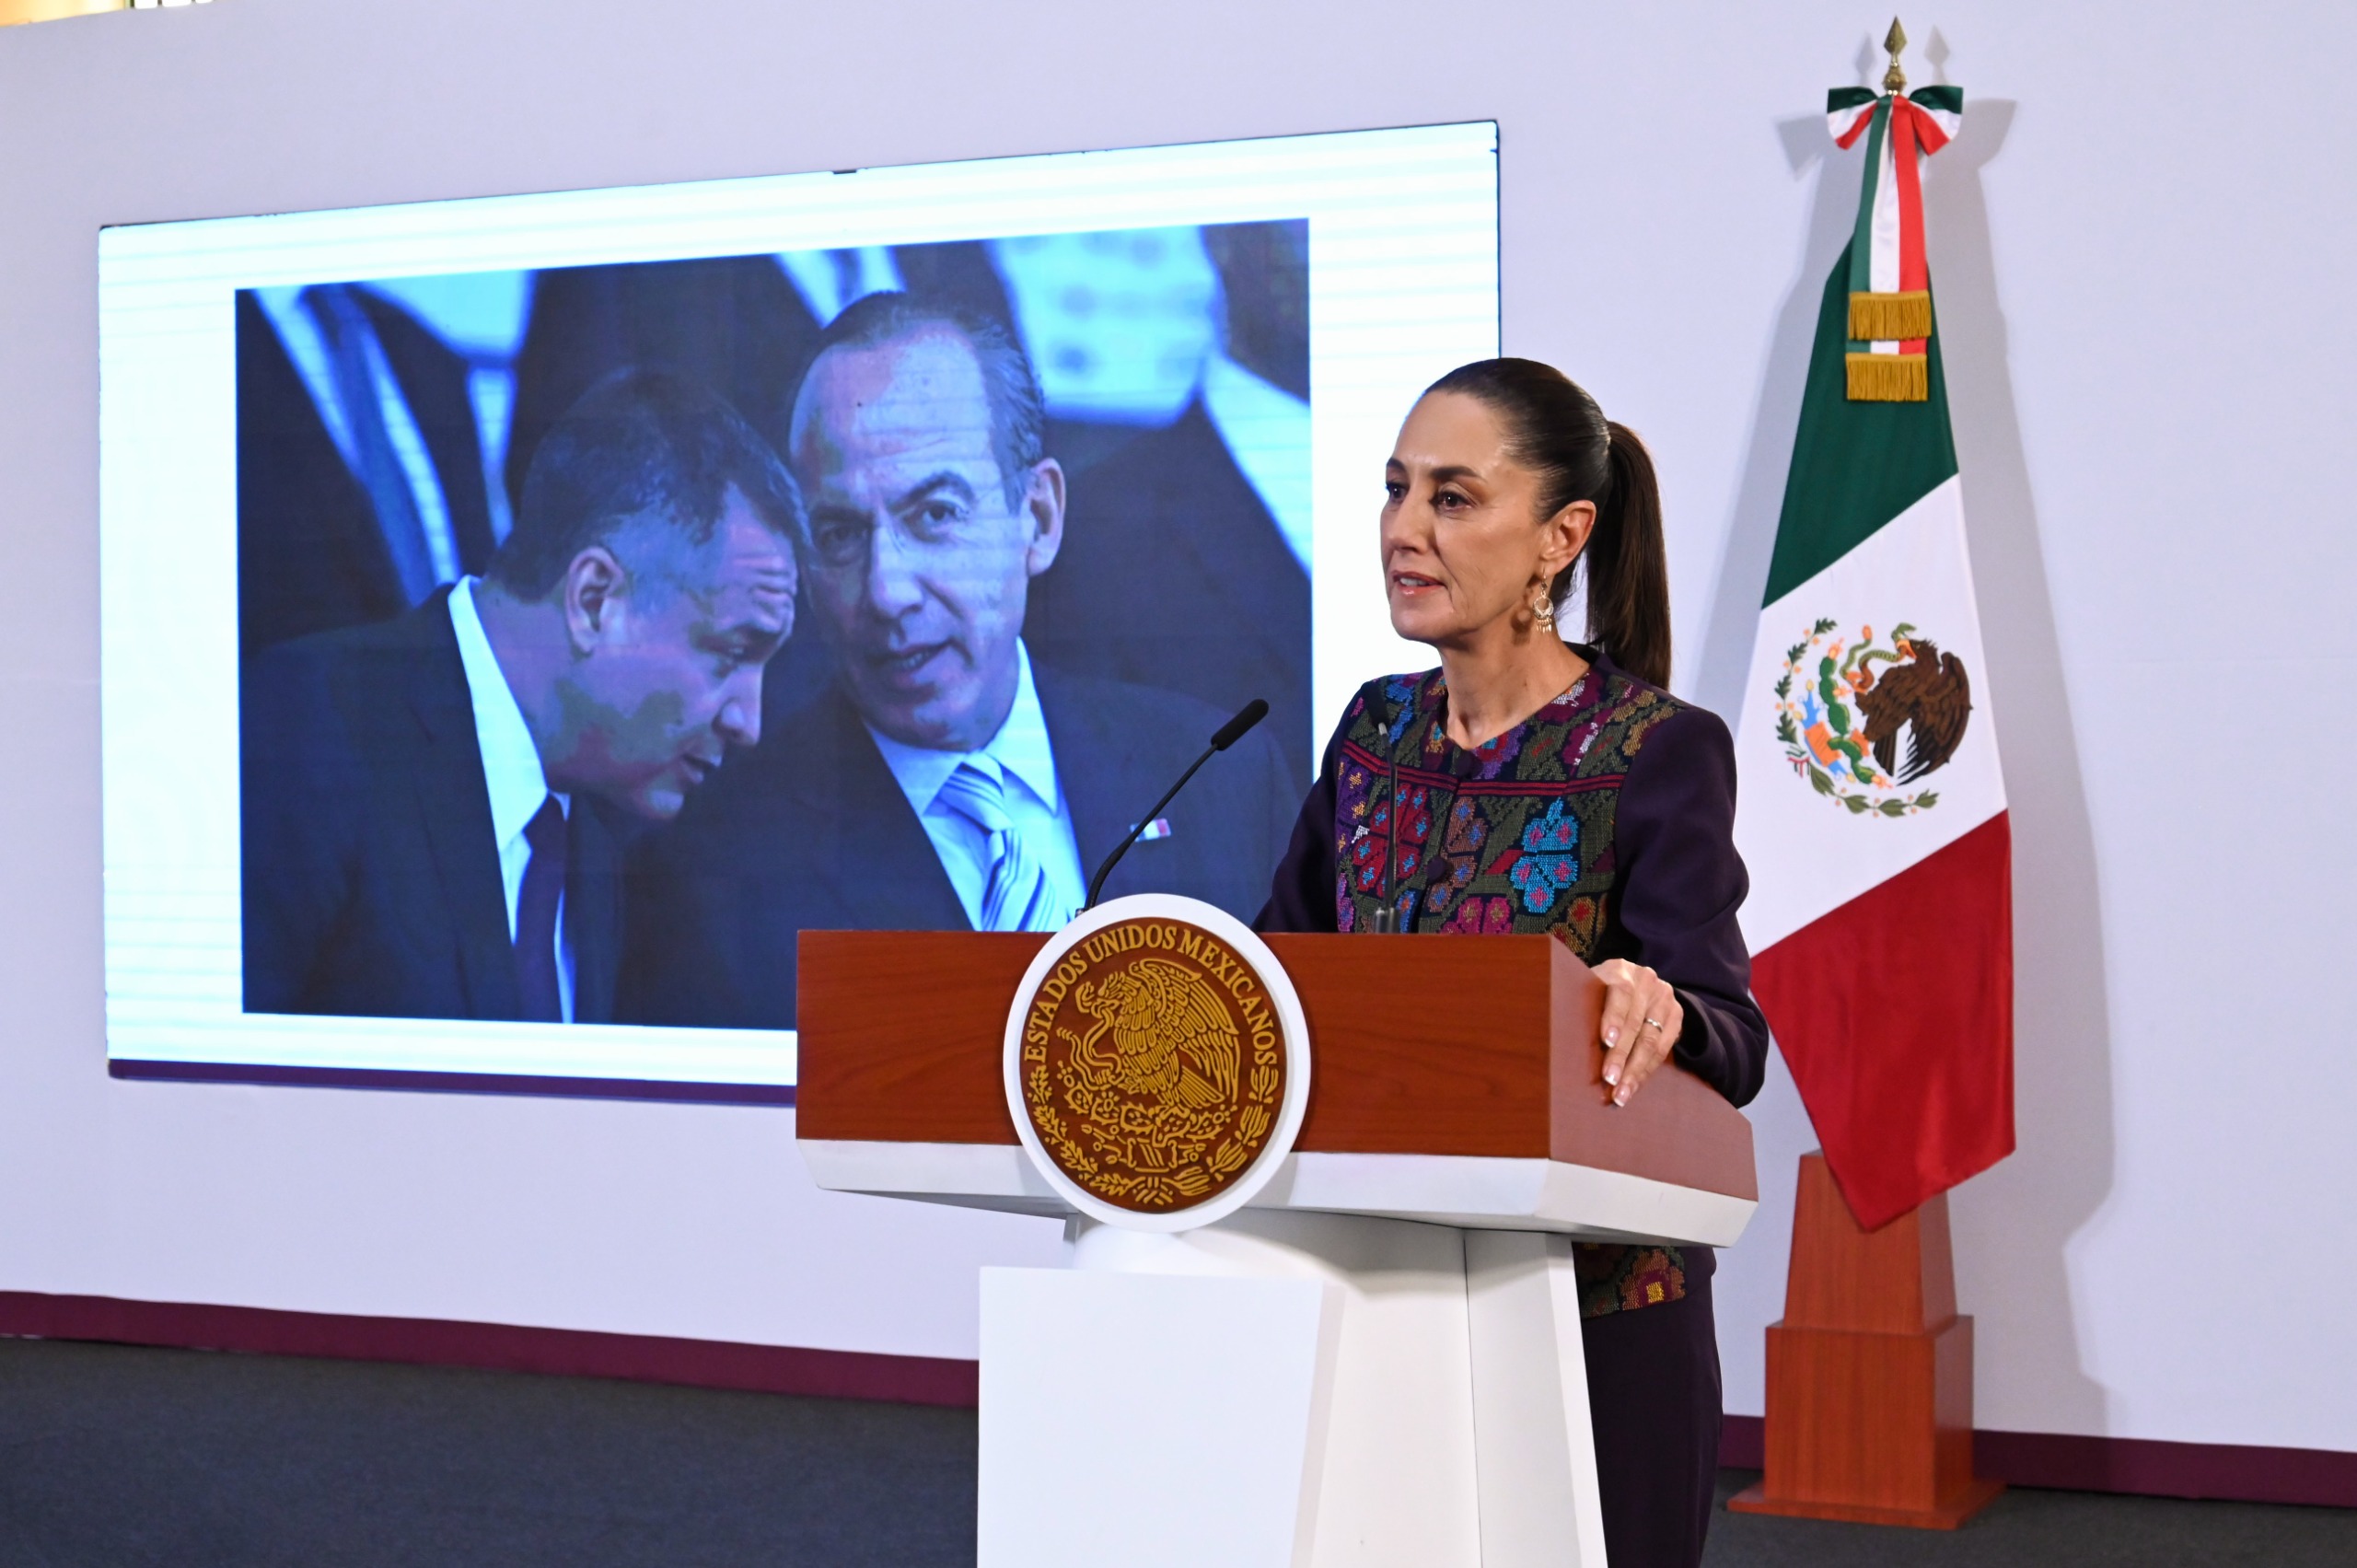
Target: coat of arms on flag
x=1859, y=734
x=1873, y=815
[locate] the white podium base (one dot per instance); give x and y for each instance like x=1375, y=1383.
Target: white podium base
x=1293, y=1390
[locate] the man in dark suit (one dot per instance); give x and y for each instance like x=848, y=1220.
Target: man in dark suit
x=1182, y=571
x=940, y=780
x=334, y=528
x=426, y=801
x=1177, y=572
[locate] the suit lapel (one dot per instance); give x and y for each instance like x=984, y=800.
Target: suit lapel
x=455, y=804
x=881, y=872
x=1101, y=777
x=1116, y=752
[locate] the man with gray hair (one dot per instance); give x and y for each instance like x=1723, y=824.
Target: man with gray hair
x=941, y=779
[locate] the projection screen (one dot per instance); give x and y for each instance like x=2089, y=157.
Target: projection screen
x=520, y=616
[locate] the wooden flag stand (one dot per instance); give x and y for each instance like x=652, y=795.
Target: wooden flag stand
x=1870, y=1373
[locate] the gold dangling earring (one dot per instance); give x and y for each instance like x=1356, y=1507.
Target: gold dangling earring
x=1542, y=607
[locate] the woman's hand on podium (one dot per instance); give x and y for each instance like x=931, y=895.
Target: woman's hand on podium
x=1641, y=1021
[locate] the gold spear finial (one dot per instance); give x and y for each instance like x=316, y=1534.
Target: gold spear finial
x=1894, y=81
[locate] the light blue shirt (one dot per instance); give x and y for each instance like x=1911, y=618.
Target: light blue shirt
x=1023, y=758
x=511, y=772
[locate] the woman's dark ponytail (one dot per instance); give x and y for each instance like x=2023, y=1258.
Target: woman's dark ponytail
x=1628, y=568
x=1556, y=429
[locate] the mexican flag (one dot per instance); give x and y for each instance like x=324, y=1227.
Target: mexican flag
x=1873, y=814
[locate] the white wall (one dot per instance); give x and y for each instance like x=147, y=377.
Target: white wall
x=2135, y=240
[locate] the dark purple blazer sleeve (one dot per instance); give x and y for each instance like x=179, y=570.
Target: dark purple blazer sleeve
x=1301, y=897
x=1677, y=885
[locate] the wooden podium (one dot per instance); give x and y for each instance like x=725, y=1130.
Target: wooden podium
x=1377, y=1361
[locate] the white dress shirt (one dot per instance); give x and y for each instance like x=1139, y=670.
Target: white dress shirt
x=511, y=769
x=1021, y=754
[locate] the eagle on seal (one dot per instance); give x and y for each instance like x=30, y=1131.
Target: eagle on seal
x=1173, y=1042
x=1928, y=697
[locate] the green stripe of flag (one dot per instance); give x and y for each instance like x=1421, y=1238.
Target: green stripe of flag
x=1855, y=466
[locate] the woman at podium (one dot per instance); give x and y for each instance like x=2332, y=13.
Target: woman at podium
x=1532, y=784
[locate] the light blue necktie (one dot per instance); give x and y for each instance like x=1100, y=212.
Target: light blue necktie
x=1016, y=896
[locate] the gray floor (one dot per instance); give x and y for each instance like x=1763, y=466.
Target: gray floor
x=2028, y=1529
x=116, y=1458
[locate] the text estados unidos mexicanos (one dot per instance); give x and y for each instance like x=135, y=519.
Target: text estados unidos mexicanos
x=1222, y=966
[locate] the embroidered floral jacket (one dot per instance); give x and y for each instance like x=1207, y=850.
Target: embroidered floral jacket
x=1606, y=819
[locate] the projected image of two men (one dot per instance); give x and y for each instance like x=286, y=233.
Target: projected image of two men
x=604, y=628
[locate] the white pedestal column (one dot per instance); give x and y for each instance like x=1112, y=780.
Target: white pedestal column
x=1536, y=1447
x=1150, y=1423
x=1287, y=1389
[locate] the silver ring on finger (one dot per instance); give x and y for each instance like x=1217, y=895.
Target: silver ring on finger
x=1652, y=1023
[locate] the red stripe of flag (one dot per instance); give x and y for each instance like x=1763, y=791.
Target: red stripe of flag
x=1905, y=1060
x=1906, y=122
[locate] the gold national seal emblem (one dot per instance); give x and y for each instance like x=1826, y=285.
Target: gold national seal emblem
x=1151, y=1059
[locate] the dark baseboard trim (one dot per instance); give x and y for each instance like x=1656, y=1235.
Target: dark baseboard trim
x=644, y=1358
x=2225, y=1471
x=452, y=1083
x=2217, y=1470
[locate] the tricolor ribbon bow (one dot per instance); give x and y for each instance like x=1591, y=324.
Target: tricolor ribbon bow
x=1890, y=287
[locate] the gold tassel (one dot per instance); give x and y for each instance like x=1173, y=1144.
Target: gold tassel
x=1890, y=317
x=1888, y=379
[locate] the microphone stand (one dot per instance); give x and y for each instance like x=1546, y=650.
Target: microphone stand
x=1231, y=732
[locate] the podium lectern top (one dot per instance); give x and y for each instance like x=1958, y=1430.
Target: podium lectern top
x=1456, y=1081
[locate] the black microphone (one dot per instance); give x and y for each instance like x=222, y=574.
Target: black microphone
x=1227, y=735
